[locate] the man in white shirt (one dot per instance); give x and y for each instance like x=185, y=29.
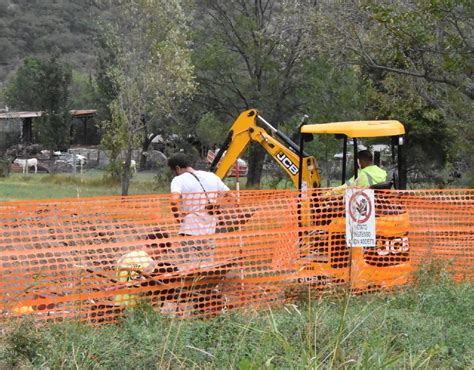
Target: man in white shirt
x=193, y=197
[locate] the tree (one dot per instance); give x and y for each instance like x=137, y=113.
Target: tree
x=209, y=131
x=331, y=93
x=38, y=28
x=43, y=85
x=417, y=56
x=428, y=40
x=250, y=55
x=56, y=77
x=83, y=90
x=23, y=91
x=430, y=135
x=149, y=74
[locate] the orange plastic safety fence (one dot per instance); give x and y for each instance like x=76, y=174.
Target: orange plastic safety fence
x=93, y=258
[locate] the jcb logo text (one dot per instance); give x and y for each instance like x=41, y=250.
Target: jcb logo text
x=287, y=163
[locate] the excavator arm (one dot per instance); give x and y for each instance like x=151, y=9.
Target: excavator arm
x=281, y=148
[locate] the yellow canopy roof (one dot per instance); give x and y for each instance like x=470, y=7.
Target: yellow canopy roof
x=356, y=128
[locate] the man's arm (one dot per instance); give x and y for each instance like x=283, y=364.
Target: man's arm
x=352, y=182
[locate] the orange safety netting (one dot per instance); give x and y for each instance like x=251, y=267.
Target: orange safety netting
x=91, y=259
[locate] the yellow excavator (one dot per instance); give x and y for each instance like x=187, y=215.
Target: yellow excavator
x=279, y=146
x=324, y=254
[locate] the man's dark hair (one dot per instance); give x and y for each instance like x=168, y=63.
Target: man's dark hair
x=365, y=155
x=179, y=159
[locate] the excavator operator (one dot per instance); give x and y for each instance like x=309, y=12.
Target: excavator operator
x=369, y=174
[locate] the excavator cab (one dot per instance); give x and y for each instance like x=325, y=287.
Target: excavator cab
x=355, y=131
x=324, y=253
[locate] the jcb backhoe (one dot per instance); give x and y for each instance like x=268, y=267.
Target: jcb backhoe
x=324, y=254
x=280, y=147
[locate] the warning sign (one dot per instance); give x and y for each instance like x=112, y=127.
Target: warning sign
x=360, y=218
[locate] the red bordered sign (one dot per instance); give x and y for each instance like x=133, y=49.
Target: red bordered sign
x=360, y=218
x=360, y=207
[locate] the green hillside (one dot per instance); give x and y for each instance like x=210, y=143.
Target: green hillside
x=35, y=28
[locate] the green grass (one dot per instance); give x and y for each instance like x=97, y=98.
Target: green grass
x=92, y=183
x=430, y=326
x=89, y=184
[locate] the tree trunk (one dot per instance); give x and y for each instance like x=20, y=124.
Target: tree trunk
x=145, y=147
x=143, y=157
x=126, y=171
x=257, y=154
x=403, y=175
x=256, y=159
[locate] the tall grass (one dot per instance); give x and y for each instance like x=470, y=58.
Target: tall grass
x=427, y=326
x=89, y=184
